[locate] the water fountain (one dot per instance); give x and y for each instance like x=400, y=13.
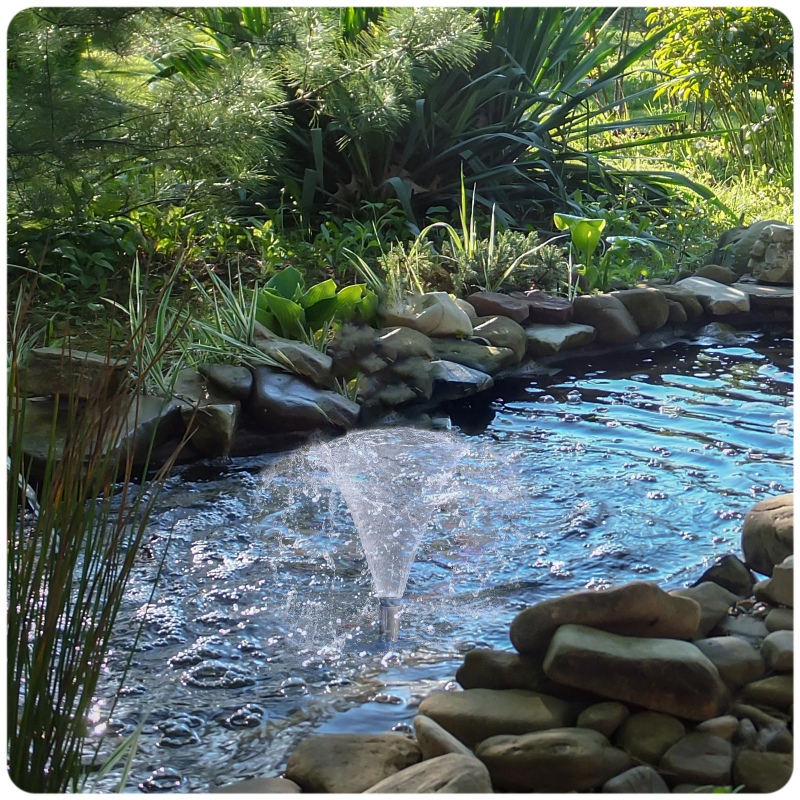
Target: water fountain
x=393, y=480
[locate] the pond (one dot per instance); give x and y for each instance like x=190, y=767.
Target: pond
x=263, y=628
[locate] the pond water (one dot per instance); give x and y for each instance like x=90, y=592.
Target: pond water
x=262, y=626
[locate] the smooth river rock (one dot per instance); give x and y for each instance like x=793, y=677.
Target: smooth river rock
x=612, y=321
x=476, y=714
x=502, y=332
x=349, y=762
x=714, y=602
x=778, y=651
x=604, y=718
x=490, y=360
x=665, y=675
x=435, y=741
x=559, y=760
x=762, y=773
x=489, y=304
x=637, y=780
x=546, y=340
x=779, y=589
x=716, y=298
x=546, y=308
x=767, y=533
x=640, y=608
x=453, y=381
x=448, y=774
x=647, y=305
x=235, y=381
x=737, y=661
x=776, y=691
x=730, y=573
x=698, y=758
x=72, y=373
x=647, y=735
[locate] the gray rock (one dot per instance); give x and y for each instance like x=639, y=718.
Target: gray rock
x=447, y=774
x=546, y=308
x=640, y=608
x=559, y=760
x=608, y=316
x=604, y=718
x=737, y=660
x=730, y=573
x=393, y=344
x=349, y=762
x=776, y=691
x=698, y=758
x=780, y=619
x=298, y=358
x=779, y=589
x=212, y=427
x=281, y=403
x=716, y=298
x=778, y=651
x=715, y=272
x=258, y=786
x=689, y=302
x=434, y=314
x=489, y=304
x=757, y=715
x=677, y=313
x=490, y=360
x=774, y=738
x=637, y=780
x=767, y=298
x=500, y=669
x=647, y=305
x=714, y=602
x=767, y=533
x=746, y=734
x=71, y=373
x=733, y=246
x=762, y=773
x=745, y=626
x=453, y=381
x=659, y=674
x=477, y=714
x=724, y=727
x=772, y=256
x=545, y=340
x=435, y=741
x=235, y=381
x=647, y=735
x=502, y=332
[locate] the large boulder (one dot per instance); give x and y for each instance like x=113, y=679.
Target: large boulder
x=447, y=774
x=281, y=402
x=434, y=314
x=71, y=373
x=237, y=382
x=546, y=340
x=212, y=427
x=502, y=332
x=772, y=255
x=640, y=608
x=560, y=760
x=664, y=675
x=608, y=316
x=716, y=298
x=296, y=357
x=768, y=533
x=490, y=304
x=647, y=305
x=476, y=714
x=349, y=762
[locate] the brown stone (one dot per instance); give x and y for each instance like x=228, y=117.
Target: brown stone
x=546, y=308
x=767, y=533
x=608, y=315
x=489, y=304
x=647, y=305
x=71, y=373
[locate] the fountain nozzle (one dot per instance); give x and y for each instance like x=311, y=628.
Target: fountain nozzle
x=389, y=613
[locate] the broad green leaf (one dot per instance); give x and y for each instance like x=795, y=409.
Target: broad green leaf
x=290, y=316
x=321, y=312
x=585, y=232
x=347, y=301
x=320, y=291
x=286, y=283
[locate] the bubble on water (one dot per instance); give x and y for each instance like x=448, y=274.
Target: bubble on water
x=163, y=779
x=547, y=398
x=403, y=727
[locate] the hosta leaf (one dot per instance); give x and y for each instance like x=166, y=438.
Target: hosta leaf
x=286, y=283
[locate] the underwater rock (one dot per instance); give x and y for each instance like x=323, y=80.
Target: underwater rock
x=612, y=321
x=447, y=774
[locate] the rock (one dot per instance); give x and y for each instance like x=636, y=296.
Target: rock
x=691, y=305
x=767, y=533
x=300, y=359
x=545, y=340
x=259, y=786
x=500, y=669
x=767, y=298
x=637, y=780
x=730, y=573
x=237, y=382
x=746, y=734
x=473, y=355
x=490, y=304
x=502, y=332
x=435, y=741
x=755, y=715
x=647, y=305
x=779, y=589
x=604, y=718
x=677, y=313
x=736, y=660
x=665, y=675
x=762, y=772
x=714, y=602
x=72, y=373
x=349, y=762
x=453, y=381
x=698, y=758
x=281, y=403
x=394, y=344
x=546, y=308
x=434, y=314
x=476, y=714
x=780, y=619
x=772, y=257
x=724, y=727
x=448, y=774
x=745, y=626
x=775, y=691
x=734, y=245
x=714, y=272
x=640, y=608
x=716, y=298
x=560, y=760
x=774, y=739
x=467, y=308
x=608, y=316
x=212, y=427
x=647, y=735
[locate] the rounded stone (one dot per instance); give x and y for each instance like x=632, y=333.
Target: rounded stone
x=768, y=533
x=447, y=774
x=649, y=734
x=762, y=773
x=717, y=273
x=608, y=315
x=699, y=758
x=778, y=651
x=776, y=691
x=647, y=305
x=724, y=727
x=737, y=661
x=435, y=741
x=258, y=786
x=637, y=780
x=604, y=718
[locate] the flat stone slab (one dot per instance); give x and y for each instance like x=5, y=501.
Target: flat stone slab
x=71, y=373
x=545, y=340
x=546, y=308
x=476, y=714
x=640, y=608
x=488, y=304
x=448, y=774
x=716, y=298
x=453, y=381
x=767, y=296
x=665, y=675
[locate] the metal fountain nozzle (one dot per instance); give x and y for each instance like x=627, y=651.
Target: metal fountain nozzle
x=389, y=613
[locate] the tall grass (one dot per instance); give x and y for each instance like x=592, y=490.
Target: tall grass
x=69, y=564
